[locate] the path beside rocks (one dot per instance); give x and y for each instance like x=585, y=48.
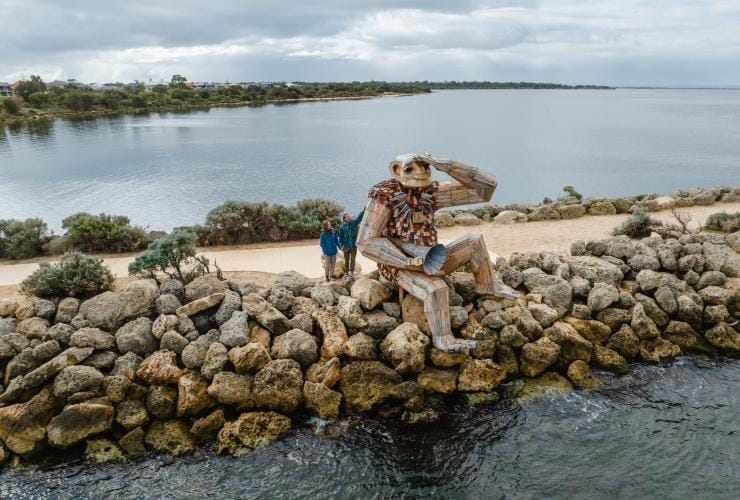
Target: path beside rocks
x=553, y=236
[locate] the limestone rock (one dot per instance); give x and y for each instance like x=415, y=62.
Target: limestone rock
x=548, y=384
x=594, y=270
x=192, y=395
x=110, y=310
x=103, y=450
x=379, y=324
x=279, y=386
x=249, y=431
x=405, y=348
x=544, y=314
x=133, y=443
x=715, y=295
x=333, y=331
x=235, y=331
x=232, y=302
x=194, y=354
x=611, y=360
x=165, y=323
x=436, y=380
x=412, y=311
x=656, y=350
x=171, y=436
x=232, y=389
x=161, y=401
x=572, y=345
x=131, y=414
x=215, y=360
x=127, y=365
x=206, y=429
x=685, y=337
x=641, y=325
x=614, y=318
x=78, y=422
x=580, y=374
x=625, y=342
x=297, y=345
x=167, y=303
x=321, y=401
x=556, y=292
x=92, y=337
x=204, y=286
x=77, y=378
x=361, y=346
x=447, y=359
x=8, y=307
x=33, y=328
x=136, y=336
x=480, y=375
x=302, y=322
x=326, y=372
x=160, y=368
x=23, y=426
x=249, y=358
x=724, y=337
x=200, y=305
x=537, y=356
x=350, y=312
x=265, y=314
x=601, y=296
x=293, y=281
x=365, y=384
x=369, y=292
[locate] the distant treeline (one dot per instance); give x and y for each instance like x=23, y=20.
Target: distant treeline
x=501, y=85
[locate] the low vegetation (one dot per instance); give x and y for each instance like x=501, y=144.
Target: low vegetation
x=723, y=221
x=22, y=239
x=173, y=255
x=640, y=225
x=76, y=275
x=103, y=233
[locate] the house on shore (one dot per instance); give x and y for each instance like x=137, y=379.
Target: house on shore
x=6, y=89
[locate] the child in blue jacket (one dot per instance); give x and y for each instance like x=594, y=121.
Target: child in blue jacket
x=329, y=247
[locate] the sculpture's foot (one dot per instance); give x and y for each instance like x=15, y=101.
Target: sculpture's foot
x=448, y=343
x=500, y=290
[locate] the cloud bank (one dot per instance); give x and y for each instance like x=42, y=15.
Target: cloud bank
x=617, y=42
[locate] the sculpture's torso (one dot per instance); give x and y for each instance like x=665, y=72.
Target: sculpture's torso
x=412, y=217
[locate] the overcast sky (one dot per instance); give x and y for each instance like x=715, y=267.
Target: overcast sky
x=618, y=42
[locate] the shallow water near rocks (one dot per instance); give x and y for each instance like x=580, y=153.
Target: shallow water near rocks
x=662, y=431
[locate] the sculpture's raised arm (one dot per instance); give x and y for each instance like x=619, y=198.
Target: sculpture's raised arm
x=377, y=248
x=472, y=186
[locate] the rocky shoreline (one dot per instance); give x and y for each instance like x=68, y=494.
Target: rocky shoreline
x=573, y=207
x=167, y=368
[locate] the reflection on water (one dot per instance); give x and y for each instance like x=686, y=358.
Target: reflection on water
x=170, y=169
x=661, y=432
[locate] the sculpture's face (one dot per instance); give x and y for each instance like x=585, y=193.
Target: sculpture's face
x=416, y=174
x=347, y=217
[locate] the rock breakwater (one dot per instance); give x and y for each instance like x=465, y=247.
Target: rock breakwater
x=167, y=368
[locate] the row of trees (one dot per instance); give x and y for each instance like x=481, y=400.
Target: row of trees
x=233, y=222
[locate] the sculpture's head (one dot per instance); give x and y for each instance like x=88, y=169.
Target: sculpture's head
x=411, y=171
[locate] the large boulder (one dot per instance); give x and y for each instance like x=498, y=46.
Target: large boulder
x=78, y=422
x=293, y=281
x=161, y=401
x=556, y=292
x=657, y=350
x=200, y=305
x=321, y=401
x=594, y=270
x=235, y=331
x=480, y=375
x=204, y=286
x=601, y=296
x=33, y=328
x=77, y=378
x=405, y=348
x=625, y=342
x=370, y=292
x=232, y=389
x=365, y=384
x=438, y=380
x=333, y=331
x=279, y=386
x=232, y=302
x=297, y=345
x=611, y=360
x=265, y=314
x=192, y=395
x=537, y=356
x=92, y=337
x=361, y=346
x=136, y=336
x=572, y=345
x=249, y=431
x=171, y=436
x=350, y=312
x=23, y=426
x=110, y=310
x=412, y=311
x=160, y=369
x=380, y=323
x=642, y=325
x=724, y=337
x=325, y=372
x=580, y=374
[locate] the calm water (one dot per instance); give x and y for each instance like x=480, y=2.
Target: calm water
x=662, y=432
x=171, y=169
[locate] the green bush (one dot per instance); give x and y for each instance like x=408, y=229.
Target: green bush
x=640, y=225
x=103, y=233
x=722, y=221
x=39, y=99
x=572, y=193
x=10, y=106
x=173, y=255
x=76, y=275
x=22, y=239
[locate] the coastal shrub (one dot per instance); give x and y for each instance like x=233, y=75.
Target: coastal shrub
x=79, y=101
x=173, y=255
x=39, y=99
x=103, y=233
x=10, y=106
x=22, y=239
x=76, y=275
x=722, y=221
x=640, y=225
x=572, y=193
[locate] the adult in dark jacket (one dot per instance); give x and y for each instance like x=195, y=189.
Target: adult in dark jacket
x=329, y=245
x=348, y=242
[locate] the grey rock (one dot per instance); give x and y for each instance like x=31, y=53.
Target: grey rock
x=556, y=292
x=296, y=345
x=214, y=361
x=46, y=350
x=601, y=296
x=110, y=310
x=711, y=278
x=204, y=286
x=44, y=309
x=66, y=310
x=581, y=286
x=127, y=365
x=594, y=270
x=235, y=332
x=136, y=336
x=392, y=309
x=544, y=314
x=173, y=341
x=92, y=337
x=60, y=332
x=244, y=286
x=101, y=360
x=167, y=303
x=379, y=324
x=265, y=314
x=640, y=262
x=77, y=378
x=232, y=302
x=361, y=347
x=281, y=299
x=293, y=281
x=348, y=309
x=173, y=287
x=303, y=322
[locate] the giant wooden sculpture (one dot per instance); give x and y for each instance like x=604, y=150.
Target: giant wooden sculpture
x=398, y=233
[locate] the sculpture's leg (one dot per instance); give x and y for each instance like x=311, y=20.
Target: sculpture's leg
x=471, y=249
x=435, y=295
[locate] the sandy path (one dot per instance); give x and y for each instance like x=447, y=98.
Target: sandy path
x=304, y=257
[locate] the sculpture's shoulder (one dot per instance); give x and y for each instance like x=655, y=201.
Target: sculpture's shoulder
x=383, y=191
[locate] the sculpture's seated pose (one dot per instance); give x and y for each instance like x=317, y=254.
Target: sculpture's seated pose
x=398, y=230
